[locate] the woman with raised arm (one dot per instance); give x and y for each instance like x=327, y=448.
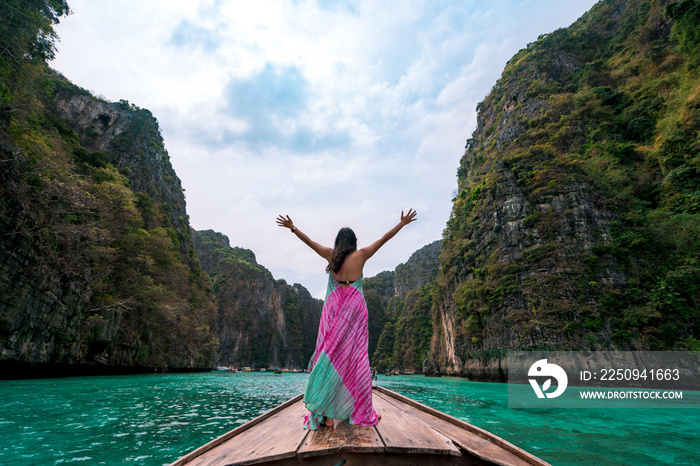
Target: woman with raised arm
x=340, y=384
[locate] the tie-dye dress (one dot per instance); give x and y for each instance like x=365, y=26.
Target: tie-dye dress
x=340, y=384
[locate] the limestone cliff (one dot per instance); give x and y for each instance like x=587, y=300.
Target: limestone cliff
x=97, y=266
x=400, y=304
x=98, y=270
x=262, y=322
x=130, y=137
x=576, y=220
x=420, y=269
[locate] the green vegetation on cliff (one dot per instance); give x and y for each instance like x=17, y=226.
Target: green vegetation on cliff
x=98, y=264
x=400, y=307
x=262, y=323
x=577, y=220
x=405, y=339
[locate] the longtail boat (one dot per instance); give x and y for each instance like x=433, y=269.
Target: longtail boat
x=409, y=433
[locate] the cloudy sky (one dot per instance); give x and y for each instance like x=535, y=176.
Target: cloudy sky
x=337, y=113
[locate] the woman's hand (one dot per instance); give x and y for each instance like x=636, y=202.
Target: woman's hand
x=285, y=222
x=409, y=217
x=405, y=220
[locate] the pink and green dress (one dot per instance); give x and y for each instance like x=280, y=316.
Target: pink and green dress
x=340, y=384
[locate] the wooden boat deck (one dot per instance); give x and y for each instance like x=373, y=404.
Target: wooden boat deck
x=408, y=433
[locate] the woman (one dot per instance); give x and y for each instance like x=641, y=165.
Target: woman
x=340, y=384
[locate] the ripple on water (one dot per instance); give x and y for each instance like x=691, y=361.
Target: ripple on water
x=154, y=419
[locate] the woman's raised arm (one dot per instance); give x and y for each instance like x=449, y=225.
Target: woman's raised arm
x=374, y=247
x=322, y=251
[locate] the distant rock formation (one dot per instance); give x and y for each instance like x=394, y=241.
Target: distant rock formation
x=261, y=323
x=400, y=305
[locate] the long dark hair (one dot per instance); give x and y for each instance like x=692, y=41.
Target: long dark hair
x=345, y=243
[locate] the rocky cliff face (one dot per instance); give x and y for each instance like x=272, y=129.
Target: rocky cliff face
x=262, y=322
x=560, y=234
x=420, y=269
x=98, y=272
x=131, y=138
x=399, y=305
x=39, y=301
x=98, y=266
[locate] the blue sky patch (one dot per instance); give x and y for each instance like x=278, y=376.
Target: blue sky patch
x=337, y=5
x=276, y=91
x=269, y=98
x=187, y=34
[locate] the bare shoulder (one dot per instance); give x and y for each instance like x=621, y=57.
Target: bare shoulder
x=356, y=256
x=361, y=255
x=354, y=263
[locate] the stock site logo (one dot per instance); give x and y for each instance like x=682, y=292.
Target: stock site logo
x=542, y=369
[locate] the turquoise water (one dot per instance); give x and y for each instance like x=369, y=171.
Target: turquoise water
x=154, y=419
x=565, y=436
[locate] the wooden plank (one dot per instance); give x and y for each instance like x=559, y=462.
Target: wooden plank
x=345, y=438
x=407, y=427
x=477, y=446
x=478, y=442
x=405, y=433
x=274, y=438
x=219, y=440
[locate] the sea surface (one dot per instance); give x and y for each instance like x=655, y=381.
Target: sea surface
x=154, y=419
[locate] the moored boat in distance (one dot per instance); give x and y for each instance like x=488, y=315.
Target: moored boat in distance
x=408, y=433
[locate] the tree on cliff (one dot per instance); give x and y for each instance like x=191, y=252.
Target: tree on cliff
x=26, y=28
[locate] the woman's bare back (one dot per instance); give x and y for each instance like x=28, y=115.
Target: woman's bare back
x=352, y=268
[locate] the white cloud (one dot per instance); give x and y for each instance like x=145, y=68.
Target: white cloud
x=337, y=113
